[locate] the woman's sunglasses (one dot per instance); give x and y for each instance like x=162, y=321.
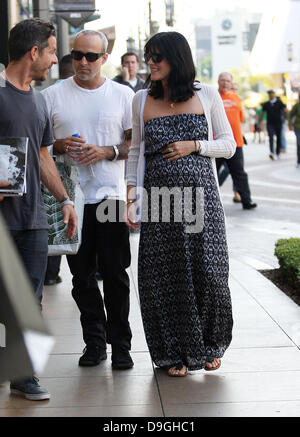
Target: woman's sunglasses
x=156, y=57
x=90, y=56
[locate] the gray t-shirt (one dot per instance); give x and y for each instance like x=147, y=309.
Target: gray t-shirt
x=25, y=114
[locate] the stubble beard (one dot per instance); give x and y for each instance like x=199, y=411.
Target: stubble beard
x=87, y=76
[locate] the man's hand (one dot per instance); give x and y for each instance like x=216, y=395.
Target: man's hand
x=125, y=74
x=50, y=178
x=70, y=219
x=178, y=149
x=3, y=184
x=69, y=145
x=91, y=154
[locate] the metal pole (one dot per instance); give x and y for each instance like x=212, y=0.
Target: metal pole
x=62, y=37
x=41, y=10
x=150, y=19
x=4, y=29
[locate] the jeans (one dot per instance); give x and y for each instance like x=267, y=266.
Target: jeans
x=32, y=246
x=274, y=129
x=105, y=245
x=223, y=174
x=53, y=267
x=297, y=133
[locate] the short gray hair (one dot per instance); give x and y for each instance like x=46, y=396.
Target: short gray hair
x=101, y=35
x=226, y=72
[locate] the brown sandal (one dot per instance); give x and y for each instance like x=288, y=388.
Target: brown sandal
x=209, y=369
x=175, y=371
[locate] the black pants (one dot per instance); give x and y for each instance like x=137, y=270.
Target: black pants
x=109, y=242
x=238, y=174
x=53, y=267
x=274, y=129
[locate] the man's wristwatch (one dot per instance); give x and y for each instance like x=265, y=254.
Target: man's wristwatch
x=64, y=201
x=116, y=150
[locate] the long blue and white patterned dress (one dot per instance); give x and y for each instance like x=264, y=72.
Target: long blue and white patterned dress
x=183, y=277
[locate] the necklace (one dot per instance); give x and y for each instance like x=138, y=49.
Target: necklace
x=172, y=105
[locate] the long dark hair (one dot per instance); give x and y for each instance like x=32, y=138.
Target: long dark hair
x=176, y=50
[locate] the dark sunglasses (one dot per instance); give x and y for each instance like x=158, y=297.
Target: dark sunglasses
x=156, y=57
x=90, y=56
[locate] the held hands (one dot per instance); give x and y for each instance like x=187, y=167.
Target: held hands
x=179, y=149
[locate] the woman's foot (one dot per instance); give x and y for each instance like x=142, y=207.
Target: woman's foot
x=174, y=371
x=212, y=365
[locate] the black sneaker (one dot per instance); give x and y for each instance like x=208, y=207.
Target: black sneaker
x=57, y=280
x=120, y=358
x=29, y=389
x=249, y=205
x=92, y=355
x=99, y=276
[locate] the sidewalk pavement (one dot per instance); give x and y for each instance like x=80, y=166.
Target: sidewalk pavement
x=259, y=376
x=260, y=372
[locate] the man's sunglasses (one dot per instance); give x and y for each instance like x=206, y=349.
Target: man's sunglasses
x=156, y=57
x=90, y=56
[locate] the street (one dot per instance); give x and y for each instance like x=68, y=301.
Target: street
x=275, y=187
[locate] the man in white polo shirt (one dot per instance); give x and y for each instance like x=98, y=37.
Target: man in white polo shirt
x=98, y=110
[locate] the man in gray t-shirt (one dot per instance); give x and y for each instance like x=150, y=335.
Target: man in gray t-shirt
x=32, y=47
x=26, y=212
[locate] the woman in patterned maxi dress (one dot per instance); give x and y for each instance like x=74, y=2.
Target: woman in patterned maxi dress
x=183, y=260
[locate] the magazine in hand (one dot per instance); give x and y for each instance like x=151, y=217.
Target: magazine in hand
x=13, y=163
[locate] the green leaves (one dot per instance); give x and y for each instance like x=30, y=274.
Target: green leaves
x=288, y=253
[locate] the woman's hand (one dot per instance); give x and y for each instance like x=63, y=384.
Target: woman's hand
x=179, y=149
x=130, y=216
x=130, y=208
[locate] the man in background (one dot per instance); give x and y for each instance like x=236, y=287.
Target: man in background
x=275, y=110
x=65, y=67
x=294, y=124
x=233, y=109
x=128, y=76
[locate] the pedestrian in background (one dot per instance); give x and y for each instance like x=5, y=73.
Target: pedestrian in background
x=258, y=128
x=275, y=110
x=129, y=72
x=294, y=124
x=223, y=171
x=182, y=276
x=233, y=109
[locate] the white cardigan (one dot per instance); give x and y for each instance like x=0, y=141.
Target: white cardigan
x=220, y=144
